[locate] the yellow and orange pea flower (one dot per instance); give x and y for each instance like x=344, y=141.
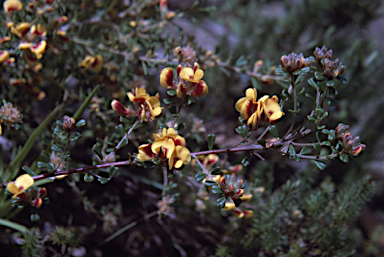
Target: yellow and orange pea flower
x=21, y=184
x=170, y=146
x=265, y=110
x=12, y=5
x=147, y=107
x=93, y=64
x=188, y=81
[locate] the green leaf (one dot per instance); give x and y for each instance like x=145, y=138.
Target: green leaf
x=123, y=142
x=274, y=132
x=168, y=101
x=199, y=177
x=120, y=129
x=319, y=76
x=88, y=178
x=181, y=126
x=242, y=130
x=320, y=165
x=113, y=171
x=74, y=136
x=305, y=150
x=44, y=165
x=292, y=150
x=173, y=110
x=294, y=111
x=171, y=92
x=343, y=79
x=313, y=84
x=28, y=170
x=216, y=189
x=344, y=158
x=330, y=83
x=81, y=123
x=97, y=150
x=86, y=102
x=216, y=171
x=57, y=149
x=209, y=183
x=317, y=148
x=103, y=180
x=42, y=182
x=221, y=201
x=211, y=141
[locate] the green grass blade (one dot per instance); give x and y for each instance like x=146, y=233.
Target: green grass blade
x=13, y=225
x=13, y=167
x=81, y=109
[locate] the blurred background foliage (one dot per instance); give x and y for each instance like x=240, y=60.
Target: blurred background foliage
x=298, y=210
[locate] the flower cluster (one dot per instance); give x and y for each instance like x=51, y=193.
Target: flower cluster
x=265, y=110
x=188, y=81
x=169, y=148
x=232, y=188
x=294, y=62
x=333, y=69
x=146, y=107
x=10, y=115
x=352, y=145
x=321, y=54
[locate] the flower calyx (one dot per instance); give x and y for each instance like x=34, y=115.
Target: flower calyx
x=294, y=62
x=232, y=188
x=352, y=145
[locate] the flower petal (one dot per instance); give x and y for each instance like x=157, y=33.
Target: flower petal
x=12, y=188
x=145, y=153
x=166, y=78
x=187, y=73
x=201, y=89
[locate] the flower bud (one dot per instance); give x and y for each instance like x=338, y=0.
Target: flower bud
x=68, y=123
x=121, y=109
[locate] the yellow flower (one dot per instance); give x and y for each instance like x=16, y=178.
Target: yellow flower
x=265, y=110
x=21, y=184
x=271, y=108
x=38, y=30
x=12, y=5
x=169, y=146
x=147, y=107
x=249, y=108
x=39, y=49
x=93, y=64
x=4, y=55
x=21, y=29
x=172, y=146
x=188, y=81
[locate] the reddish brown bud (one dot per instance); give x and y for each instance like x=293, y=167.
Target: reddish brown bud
x=68, y=123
